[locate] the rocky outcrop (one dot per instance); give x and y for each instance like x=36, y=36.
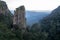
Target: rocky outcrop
x=19, y=18
x=5, y=14
x=3, y=8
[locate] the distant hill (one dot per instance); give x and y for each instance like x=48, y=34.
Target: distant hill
x=33, y=17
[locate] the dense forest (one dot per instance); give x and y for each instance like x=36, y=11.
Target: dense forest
x=47, y=29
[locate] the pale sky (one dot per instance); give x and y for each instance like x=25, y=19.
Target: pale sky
x=33, y=4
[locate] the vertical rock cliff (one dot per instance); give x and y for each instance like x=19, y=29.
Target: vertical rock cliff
x=19, y=18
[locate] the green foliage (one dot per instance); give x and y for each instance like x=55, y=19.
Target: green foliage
x=35, y=34
x=35, y=27
x=5, y=33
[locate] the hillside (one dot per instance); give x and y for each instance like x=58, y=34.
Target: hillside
x=51, y=24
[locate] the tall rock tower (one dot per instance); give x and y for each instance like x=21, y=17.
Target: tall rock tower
x=19, y=18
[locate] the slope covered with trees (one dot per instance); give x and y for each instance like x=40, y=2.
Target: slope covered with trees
x=51, y=24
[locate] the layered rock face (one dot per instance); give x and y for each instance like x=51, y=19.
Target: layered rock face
x=19, y=18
